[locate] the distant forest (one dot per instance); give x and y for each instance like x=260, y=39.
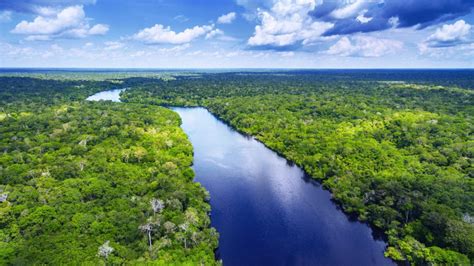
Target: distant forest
x=112, y=183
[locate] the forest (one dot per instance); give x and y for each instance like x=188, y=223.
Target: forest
x=104, y=182
x=397, y=154
x=96, y=182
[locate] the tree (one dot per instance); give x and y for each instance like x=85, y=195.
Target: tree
x=157, y=205
x=139, y=153
x=184, y=235
x=105, y=250
x=148, y=228
x=3, y=197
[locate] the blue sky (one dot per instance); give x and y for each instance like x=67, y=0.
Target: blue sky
x=237, y=33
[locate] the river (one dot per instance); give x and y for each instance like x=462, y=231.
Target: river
x=110, y=95
x=266, y=210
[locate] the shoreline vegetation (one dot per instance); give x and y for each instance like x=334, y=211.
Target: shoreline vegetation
x=398, y=155
x=96, y=182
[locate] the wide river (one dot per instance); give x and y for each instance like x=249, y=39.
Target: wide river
x=266, y=210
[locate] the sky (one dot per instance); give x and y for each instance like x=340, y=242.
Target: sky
x=237, y=33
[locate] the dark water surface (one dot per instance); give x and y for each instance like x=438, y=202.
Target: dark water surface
x=266, y=211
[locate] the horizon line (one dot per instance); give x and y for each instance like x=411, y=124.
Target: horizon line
x=232, y=68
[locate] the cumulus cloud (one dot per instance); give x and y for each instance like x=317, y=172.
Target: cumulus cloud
x=99, y=29
x=450, y=34
x=9, y=50
x=159, y=34
x=449, y=40
x=352, y=16
x=362, y=18
x=70, y=22
x=460, y=51
x=349, y=10
x=67, y=18
x=288, y=23
x=364, y=46
x=213, y=33
x=227, y=18
x=381, y=15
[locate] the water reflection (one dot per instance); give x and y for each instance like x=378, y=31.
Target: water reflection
x=110, y=95
x=266, y=210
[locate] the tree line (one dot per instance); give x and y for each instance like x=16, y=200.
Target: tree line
x=398, y=155
x=96, y=182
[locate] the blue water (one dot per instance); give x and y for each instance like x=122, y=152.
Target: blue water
x=265, y=209
x=110, y=95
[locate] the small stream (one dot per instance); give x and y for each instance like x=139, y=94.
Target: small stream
x=266, y=210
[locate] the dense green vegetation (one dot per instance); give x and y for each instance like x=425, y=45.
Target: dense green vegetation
x=399, y=156
x=95, y=182
x=91, y=75
x=84, y=182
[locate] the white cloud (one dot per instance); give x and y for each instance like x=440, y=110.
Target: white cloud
x=233, y=54
x=195, y=53
x=227, y=18
x=288, y=23
x=448, y=41
x=113, y=45
x=349, y=10
x=342, y=47
x=362, y=18
x=461, y=51
x=56, y=48
x=160, y=34
x=138, y=54
x=176, y=48
x=286, y=54
x=394, y=22
x=213, y=33
x=181, y=18
x=449, y=34
x=99, y=29
x=364, y=46
x=70, y=22
x=68, y=18
x=46, y=11
x=38, y=38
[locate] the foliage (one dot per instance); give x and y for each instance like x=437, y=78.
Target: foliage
x=398, y=155
x=80, y=179
x=91, y=182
